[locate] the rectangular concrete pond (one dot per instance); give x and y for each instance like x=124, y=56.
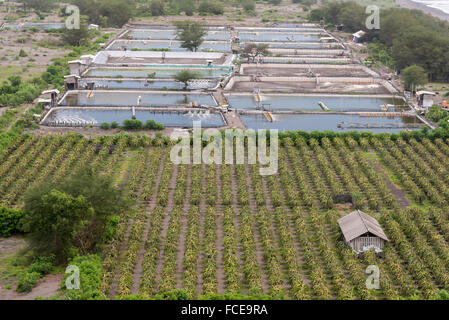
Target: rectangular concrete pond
x=278, y=36
x=95, y=116
x=333, y=122
x=146, y=84
x=147, y=34
x=310, y=103
x=129, y=98
x=157, y=73
x=216, y=46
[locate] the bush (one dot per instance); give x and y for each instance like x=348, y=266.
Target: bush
x=132, y=124
x=22, y=53
x=114, y=124
x=248, y=5
x=153, y=125
x=211, y=7
x=42, y=265
x=9, y=221
x=91, y=272
x=105, y=126
x=28, y=281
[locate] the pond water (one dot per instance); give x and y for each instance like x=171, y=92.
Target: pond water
x=171, y=34
x=79, y=116
x=158, y=73
x=278, y=36
x=310, y=103
x=172, y=45
x=139, y=84
x=126, y=99
x=322, y=122
x=299, y=45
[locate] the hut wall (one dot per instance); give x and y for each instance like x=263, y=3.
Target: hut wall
x=358, y=243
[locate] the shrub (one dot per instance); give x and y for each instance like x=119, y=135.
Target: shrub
x=114, y=124
x=28, y=281
x=91, y=272
x=9, y=221
x=105, y=126
x=132, y=124
x=42, y=265
x=153, y=125
x=211, y=7
x=22, y=53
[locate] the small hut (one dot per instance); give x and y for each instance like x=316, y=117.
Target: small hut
x=358, y=36
x=362, y=232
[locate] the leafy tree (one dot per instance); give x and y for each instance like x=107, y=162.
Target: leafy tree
x=187, y=6
x=251, y=50
x=157, y=8
x=185, y=76
x=76, y=37
x=414, y=76
x=55, y=219
x=248, y=5
x=211, y=7
x=70, y=216
x=191, y=33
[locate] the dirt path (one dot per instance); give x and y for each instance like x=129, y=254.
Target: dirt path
x=46, y=287
x=259, y=251
x=165, y=223
x=182, y=236
x=398, y=193
x=199, y=264
x=221, y=277
x=138, y=269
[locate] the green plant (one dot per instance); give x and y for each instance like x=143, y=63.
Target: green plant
x=105, y=126
x=9, y=221
x=27, y=281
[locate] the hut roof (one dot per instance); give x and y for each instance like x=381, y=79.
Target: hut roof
x=358, y=223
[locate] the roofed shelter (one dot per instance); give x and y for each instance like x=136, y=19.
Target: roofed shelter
x=362, y=232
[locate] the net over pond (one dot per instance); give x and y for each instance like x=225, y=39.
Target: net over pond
x=215, y=46
x=147, y=34
x=134, y=98
x=312, y=103
x=157, y=73
x=145, y=84
x=83, y=117
x=332, y=122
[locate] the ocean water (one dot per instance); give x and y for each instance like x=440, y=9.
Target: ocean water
x=437, y=4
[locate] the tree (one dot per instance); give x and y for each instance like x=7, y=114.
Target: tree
x=187, y=6
x=251, y=50
x=76, y=37
x=185, y=76
x=55, y=219
x=70, y=216
x=414, y=76
x=248, y=5
x=157, y=8
x=211, y=6
x=191, y=33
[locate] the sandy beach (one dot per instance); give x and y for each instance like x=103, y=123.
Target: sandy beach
x=415, y=5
